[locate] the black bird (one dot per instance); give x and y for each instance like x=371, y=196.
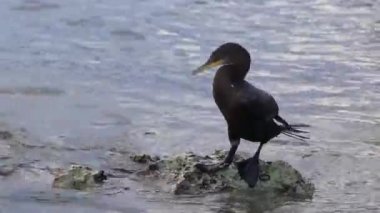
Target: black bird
x=250, y=113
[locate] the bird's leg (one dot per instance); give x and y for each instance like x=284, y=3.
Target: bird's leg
x=249, y=169
x=225, y=163
x=231, y=153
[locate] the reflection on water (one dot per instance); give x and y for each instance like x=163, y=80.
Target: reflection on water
x=85, y=77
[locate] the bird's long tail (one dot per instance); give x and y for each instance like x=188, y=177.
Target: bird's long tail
x=292, y=130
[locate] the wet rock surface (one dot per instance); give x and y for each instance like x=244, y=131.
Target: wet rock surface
x=175, y=174
x=178, y=175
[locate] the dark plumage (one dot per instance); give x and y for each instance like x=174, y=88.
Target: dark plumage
x=251, y=113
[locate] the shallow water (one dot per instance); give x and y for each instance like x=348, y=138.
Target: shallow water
x=85, y=80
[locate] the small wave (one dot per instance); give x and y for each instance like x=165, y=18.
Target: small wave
x=36, y=5
x=32, y=91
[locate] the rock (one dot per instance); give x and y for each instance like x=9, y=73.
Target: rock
x=150, y=133
x=179, y=174
x=7, y=169
x=5, y=135
x=143, y=158
x=78, y=177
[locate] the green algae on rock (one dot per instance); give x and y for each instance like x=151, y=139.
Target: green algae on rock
x=179, y=174
x=79, y=178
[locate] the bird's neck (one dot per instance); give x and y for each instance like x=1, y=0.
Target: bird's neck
x=236, y=72
x=228, y=75
x=242, y=70
x=226, y=79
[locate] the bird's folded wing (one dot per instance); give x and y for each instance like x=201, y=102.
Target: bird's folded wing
x=255, y=104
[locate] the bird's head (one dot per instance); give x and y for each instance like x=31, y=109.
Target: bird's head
x=226, y=54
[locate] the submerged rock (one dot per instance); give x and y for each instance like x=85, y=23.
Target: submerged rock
x=179, y=175
x=78, y=177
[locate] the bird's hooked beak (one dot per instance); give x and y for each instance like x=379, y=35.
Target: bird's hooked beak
x=208, y=65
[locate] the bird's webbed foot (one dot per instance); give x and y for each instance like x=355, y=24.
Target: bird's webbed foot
x=249, y=169
x=250, y=172
x=208, y=168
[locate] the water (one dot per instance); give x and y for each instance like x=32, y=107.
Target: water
x=85, y=79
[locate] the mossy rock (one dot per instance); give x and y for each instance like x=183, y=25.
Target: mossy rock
x=179, y=174
x=78, y=177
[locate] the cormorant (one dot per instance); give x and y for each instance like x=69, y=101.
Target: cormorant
x=250, y=113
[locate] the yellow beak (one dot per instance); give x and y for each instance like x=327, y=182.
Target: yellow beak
x=207, y=65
